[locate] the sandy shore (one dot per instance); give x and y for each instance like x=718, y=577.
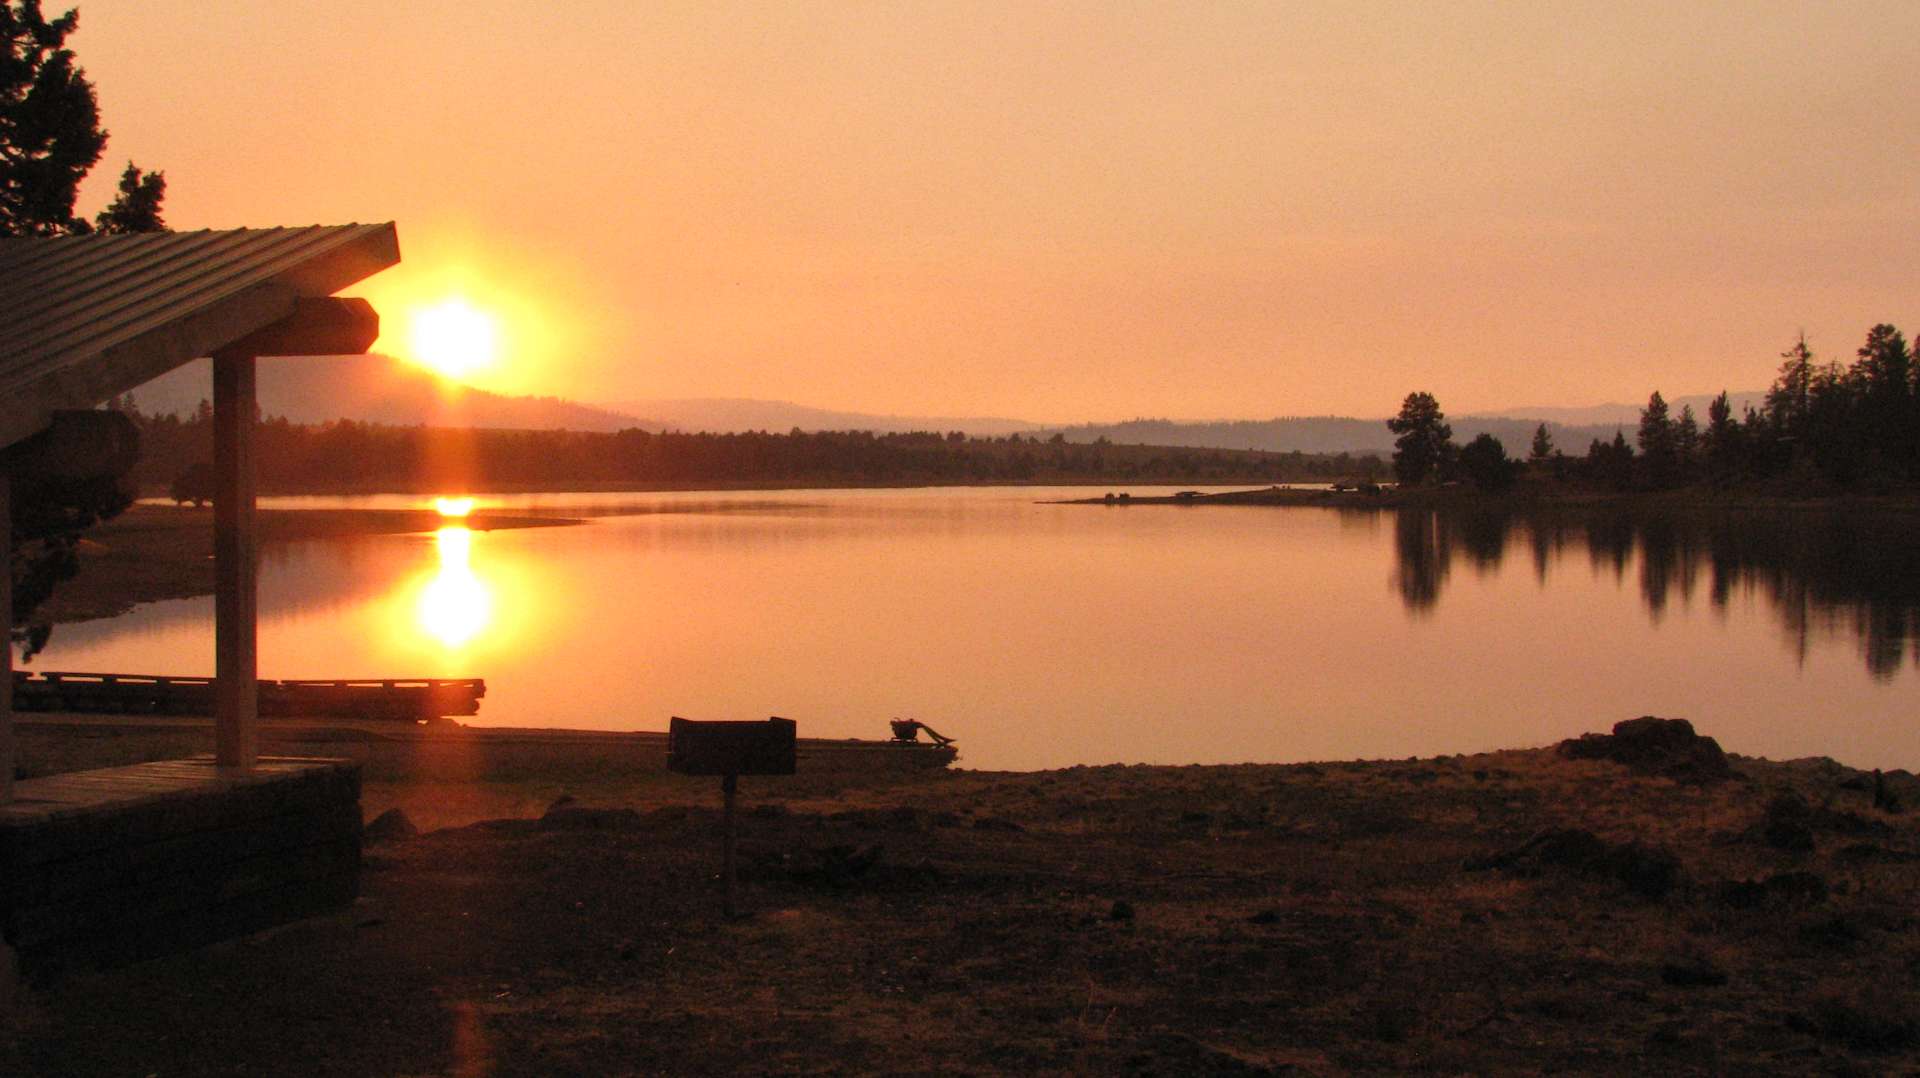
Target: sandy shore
x=1514, y=912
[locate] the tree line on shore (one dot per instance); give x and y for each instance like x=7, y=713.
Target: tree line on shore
x=345, y=455
x=1822, y=425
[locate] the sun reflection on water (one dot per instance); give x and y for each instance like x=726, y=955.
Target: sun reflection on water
x=456, y=604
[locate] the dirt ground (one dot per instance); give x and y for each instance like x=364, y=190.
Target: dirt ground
x=1504, y=913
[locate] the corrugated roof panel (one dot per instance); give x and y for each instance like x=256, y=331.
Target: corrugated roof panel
x=84, y=317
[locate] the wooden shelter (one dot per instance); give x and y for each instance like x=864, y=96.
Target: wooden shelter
x=85, y=318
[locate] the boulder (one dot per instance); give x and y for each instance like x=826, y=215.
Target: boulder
x=1645, y=870
x=390, y=826
x=1654, y=746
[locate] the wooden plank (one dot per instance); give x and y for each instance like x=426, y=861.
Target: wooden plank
x=318, y=326
x=131, y=363
x=235, y=555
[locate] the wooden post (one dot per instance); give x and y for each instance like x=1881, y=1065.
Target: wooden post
x=236, y=598
x=6, y=648
x=727, y=786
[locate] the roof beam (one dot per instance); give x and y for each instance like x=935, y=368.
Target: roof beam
x=318, y=326
x=144, y=358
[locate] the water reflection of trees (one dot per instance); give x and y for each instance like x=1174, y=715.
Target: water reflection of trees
x=1854, y=573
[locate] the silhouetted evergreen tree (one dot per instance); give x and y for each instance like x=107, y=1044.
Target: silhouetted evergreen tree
x=1424, y=448
x=1484, y=463
x=1724, y=450
x=1686, y=442
x=136, y=208
x=1883, y=378
x=1542, y=448
x=1656, y=440
x=1789, y=399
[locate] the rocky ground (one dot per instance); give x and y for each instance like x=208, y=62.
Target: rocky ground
x=1639, y=904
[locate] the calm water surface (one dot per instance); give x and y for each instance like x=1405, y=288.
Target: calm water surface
x=1047, y=635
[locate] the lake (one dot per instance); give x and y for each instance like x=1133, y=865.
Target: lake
x=1048, y=635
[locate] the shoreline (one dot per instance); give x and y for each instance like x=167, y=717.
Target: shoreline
x=1518, y=911
x=151, y=553
x=1522, y=499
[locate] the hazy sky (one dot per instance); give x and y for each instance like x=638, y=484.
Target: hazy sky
x=1068, y=211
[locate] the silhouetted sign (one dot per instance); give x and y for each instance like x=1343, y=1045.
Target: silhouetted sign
x=730, y=748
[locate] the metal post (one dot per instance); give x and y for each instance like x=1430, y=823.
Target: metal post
x=236, y=599
x=727, y=787
x=6, y=644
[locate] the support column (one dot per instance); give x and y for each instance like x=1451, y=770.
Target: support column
x=6, y=653
x=235, y=565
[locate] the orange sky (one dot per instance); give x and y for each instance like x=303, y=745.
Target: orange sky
x=1090, y=211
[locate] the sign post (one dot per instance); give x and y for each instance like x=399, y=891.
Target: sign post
x=729, y=750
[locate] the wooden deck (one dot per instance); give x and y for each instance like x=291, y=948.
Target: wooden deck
x=107, y=866
x=392, y=699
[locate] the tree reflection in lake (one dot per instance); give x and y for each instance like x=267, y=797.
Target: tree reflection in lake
x=1835, y=572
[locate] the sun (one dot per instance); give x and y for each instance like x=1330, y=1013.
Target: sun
x=454, y=338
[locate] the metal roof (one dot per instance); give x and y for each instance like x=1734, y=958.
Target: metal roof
x=83, y=318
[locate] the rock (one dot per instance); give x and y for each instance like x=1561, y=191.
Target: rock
x=832, y=865
x=1788, y=824
x=1654, y=746
x=1834, y=933
x=390, y=826
x=589, y=819
x=1121, y=911
x=9, y=985
x=1865, y=1025
x=1884, y=799
x=1692, y=972
x=1784, y=890
x=995, y=823
x=1869, y=853
x=1646, y=871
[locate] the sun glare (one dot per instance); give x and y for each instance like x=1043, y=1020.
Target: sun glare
x=455, y=606
x=454, y=338
x=453, y=507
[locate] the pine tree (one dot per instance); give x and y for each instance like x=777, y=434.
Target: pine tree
x=49, y=123
x=1656, y=440
x=1542, y=449
x=136, y=208
x=1424, y=447
x=1723, y=446
x=50, y=134
x=1790, y=397
x=1686, y=439
x=1882, y=382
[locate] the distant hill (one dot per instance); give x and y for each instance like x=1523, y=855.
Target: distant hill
x=728, y=414
x=378, y=389
x=1330, y=434
x=1628, y=413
